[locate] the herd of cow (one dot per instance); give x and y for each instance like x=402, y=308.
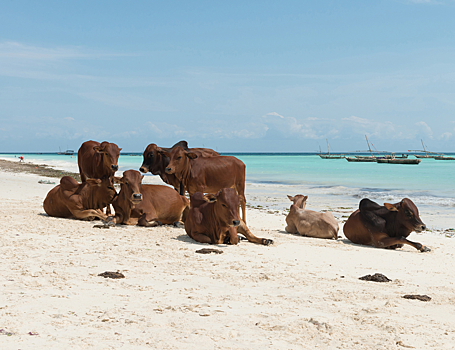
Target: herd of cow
x=216, y=188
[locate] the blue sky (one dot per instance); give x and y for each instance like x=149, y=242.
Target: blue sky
x=255, y=76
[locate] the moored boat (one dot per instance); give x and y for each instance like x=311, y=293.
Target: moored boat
x=399, y=160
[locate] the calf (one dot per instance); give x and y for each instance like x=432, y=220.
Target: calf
x=385, y=226
x=310, y=223
x=147, y=205
x=83, y=201
x=214, y=219
x=96, y=160
x=156, y=162
x=199, y=174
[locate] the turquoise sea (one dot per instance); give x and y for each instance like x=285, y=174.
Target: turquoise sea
x=429, y=183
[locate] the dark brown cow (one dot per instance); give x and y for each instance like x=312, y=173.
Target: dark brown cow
x=199, y=174
x=83, y=201
x=214, y=219
x=147, y=205
x=385, y=226
x=96, y=159
x=156, y=162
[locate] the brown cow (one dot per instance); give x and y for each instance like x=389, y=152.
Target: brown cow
x=156, y=162
x=147, y=205
x=308, y=222
x=83, y=201
x=96, y=159
x=214, y=219
x=204, y=175
x=385, y=226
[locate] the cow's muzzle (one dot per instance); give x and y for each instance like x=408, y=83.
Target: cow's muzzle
x=420, y=228
x=168, y=170
x=143, y=169
x=114, y=167
x=137, y=197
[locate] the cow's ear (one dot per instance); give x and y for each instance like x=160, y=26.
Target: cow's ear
x=390, y=207
x=99, y=149
x=191, y=155
x=291, y=198
x=164, y=153
x=119, y=149
x=305, y=198
x=118, y=180
x=94, y=182
x=210, y=197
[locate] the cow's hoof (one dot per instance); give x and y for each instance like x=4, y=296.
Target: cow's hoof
x=178, y=224
x=425, y=249
x=267, y=241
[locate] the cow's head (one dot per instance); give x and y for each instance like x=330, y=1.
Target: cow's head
x=407, y=215
x=103, y=188
x=299, y=200
x=226, y=204
x=130, y=186
x=150, y=160
x=178, y=160
x=111, y=152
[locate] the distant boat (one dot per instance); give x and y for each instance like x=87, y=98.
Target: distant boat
x=361, y=159
x=444, y=158
x=68, y=152
x=399, y=160
x=371, y=158
x=428, y=154
x=328, y=155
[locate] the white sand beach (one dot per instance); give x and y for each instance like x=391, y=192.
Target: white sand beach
x=299, y=293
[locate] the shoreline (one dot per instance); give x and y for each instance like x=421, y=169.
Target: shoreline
x=271, y=198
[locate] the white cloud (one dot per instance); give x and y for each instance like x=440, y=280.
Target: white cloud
x=425, y=128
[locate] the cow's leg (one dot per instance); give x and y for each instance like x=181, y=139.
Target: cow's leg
x=200, y=237
x=243, y=206
x=244, y=230
x=149, y=220
x=84, y=214
x=233, y=237
x=83, y=177
x=382, y=240
x=291, y=228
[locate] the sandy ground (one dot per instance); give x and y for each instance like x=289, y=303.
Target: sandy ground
x=300, y=293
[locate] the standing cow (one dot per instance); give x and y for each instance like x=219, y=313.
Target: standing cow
x=156, y=162
x=199, y=174
x=386, y=226
x=308, y=222
x=83, y=201
x=96, y=159
x=214, y=219
x=147, y=205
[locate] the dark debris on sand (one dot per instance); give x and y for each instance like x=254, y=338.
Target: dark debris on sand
x=377, y=277
x=208, y=251
x=110, y=274
x=418, y=297
x=38, y=169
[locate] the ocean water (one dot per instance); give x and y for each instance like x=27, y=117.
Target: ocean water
x=430, y=183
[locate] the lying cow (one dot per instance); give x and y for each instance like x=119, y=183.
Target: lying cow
x=97, y=160
x=214, y=219
x=147, y=205
x=83, y=201
x=385, y=226
x=310, y=223
x=156, y=162
x=199, y=174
